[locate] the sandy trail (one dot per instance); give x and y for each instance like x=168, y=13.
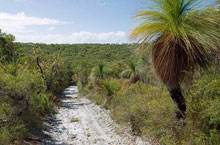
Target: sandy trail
x=80, y=122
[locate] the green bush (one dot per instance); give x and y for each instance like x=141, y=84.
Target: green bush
x=23, y=104
x=143, y=105
x=41, y=104
x=149, y=110
x=204, y=109
x=109, y=86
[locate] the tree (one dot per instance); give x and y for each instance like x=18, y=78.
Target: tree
x=7, y=47
x=133, y=71
x=182, y=37
x=116, y=69
x=48, y=66
x=217, y=13
x=109, y=87
x=83, y=71
x=99, y=72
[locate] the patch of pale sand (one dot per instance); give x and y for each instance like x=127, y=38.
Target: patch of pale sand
x=80, y=122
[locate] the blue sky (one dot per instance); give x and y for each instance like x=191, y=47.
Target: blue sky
x=69, y=21
x=60, y=21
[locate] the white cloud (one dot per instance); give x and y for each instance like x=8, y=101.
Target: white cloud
x=77, y=37
x=18, y=23
x=51, y=28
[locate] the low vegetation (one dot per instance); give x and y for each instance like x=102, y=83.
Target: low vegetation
x=29, y=87
x=184, y=109
x=149, y=111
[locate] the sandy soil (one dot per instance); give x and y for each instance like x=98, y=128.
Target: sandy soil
x=80, y=122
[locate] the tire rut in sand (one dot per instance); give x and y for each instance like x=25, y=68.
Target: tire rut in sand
x=80, y=122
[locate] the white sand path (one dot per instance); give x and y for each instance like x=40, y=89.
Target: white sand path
x=80, y=122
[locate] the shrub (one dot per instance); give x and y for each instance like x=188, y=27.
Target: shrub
x=23, y=103
x=149, y=111
x=99, y=72
x=204, y=109
x=109, y=87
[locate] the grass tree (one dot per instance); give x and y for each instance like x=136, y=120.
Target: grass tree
x=99, y=72
x=182, y=36
x=109, y=87
x=133, y=71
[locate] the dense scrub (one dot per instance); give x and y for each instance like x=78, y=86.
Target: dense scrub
x=79, y=53
x=33, y=75
x=81, y=58
x=145, y=104
x=23, y=104
x=149, y=111
x=27, y=94
x=124, y=83
x=112, y=76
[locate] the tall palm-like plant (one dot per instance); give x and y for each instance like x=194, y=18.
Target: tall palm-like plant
x=109, y=87
x=133, y=71
x=99, y=72
x=182, y=37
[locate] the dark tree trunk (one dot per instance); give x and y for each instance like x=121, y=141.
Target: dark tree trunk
x=135, y=78
x=179, y=100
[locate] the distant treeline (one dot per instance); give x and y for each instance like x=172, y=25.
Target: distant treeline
x=91, y=52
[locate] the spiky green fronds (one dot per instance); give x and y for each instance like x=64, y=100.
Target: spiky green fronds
x=183, y=37
x=109, y=86
x=134, y=71
x=99, y=72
